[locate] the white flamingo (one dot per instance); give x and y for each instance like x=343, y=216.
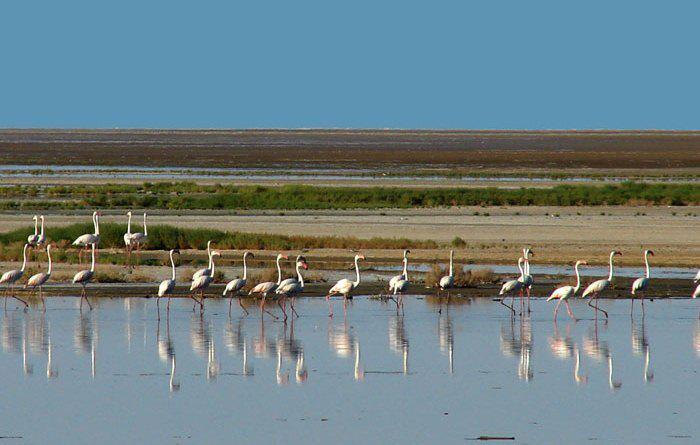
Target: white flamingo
x=140, y=238
x=400, y=287
x=291, y=280
x=292, y=289
x=206, y=270
x=38, y=280
x=565, y=292
x=83, y=278
x=641, y=285
x=269, y=286
x=10, y=277
x=234, y=286
x=512, y=287
x=89, y=238
x=395, y=278
x=526, y=279
x=42, y=236
x=167, y=287
x=32, y=240
x=202, y=282
x=595, y=288
x=127, y=238
x=345, y=286
x=448, y=281
x=696, y=294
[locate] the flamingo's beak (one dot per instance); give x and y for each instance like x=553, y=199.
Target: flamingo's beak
x=651, y=252
x=305, y=266
x=362, y=257
x=285, y=257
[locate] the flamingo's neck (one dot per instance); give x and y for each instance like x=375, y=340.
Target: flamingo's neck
x=92, y=266
x=42, y=226
x=520, y=268
x=212, y=267
x=172, y=263
x=646, y=261
x=145, y=229
x=357, y=271
x=128, y=224
x=451, y=261
x=24, y=257
x=578, y=279
x=301, y=279
x=48, y=254
x=97, y=223
x=279, y=271
x=405, y=268
x=245, y=267
x=610, y=276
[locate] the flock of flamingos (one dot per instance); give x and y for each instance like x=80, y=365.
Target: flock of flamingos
x=291, y=287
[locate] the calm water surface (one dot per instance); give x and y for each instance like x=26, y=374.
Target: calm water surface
x=117, y=374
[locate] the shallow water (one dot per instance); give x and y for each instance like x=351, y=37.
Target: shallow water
x=369, y=377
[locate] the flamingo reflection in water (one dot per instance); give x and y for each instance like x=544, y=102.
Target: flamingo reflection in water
x=641, y=347
x=600, y=351
x=519, y=345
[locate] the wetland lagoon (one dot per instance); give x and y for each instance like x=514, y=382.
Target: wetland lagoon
x=119, y=373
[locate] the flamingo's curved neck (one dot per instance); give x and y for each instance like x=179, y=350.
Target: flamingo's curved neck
x=301, y=279
x=245, y=267
x=610, y=276
x=145, y=229
x=96, y=221
x=405, y=268
x=212, y=266
x=211, y=258
x=172, y=263
x=279, y=271
x=24, y=257
x=42, y=226
x=451, y=262
x=92, y=266
x=646, y=261
x=357, y=271
x=520, y=268
x=128, y=224
x=48, y=254
x=578, y=279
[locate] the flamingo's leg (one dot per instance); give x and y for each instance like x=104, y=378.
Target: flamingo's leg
x=291, y=304
x=330, y=305
x=556, y=310
x=568, y=309
x=240, y=303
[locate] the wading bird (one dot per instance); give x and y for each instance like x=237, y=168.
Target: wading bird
x=344, y=286
x=32, y=240
x=84, y=277
x=595, y=288
x=234, y=286
x=395, y=278
x=400, y=287
x=269, y=286
x=89, y=238
x=206, y=270
x=292, y=289
x=448, y=281
x=140, y=238
x=512, y=287
x=42, y=236
x=10, y=278
x=565, y=292
x=526, y=278
x=167, y=286
x=39, y=279
x=202, y=282
x=640, y=285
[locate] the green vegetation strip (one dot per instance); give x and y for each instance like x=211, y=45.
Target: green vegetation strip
x=165, y=237
x=191, y=196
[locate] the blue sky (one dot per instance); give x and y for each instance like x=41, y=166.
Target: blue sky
x=397, y=64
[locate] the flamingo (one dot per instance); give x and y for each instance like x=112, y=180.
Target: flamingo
x=206, y=270
x=202, y=282
x=565, y=292
x=140, y=238
x=448, y=281
x=400, y=287
x=526, y=279
x=84, y=277
x=127, y=237
x=234, y=286
x=595, y=288
x=396, y=278
x=11, y=276
x=697, y=277
x=269, y=286
x=167, y=287
x=89, y=238
x=293, y=288
x=39, y=279
x=513, y=286
x=32, y=240
x=292, y=279
x=642, y=284
x=696, y=294
x=344, y=287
